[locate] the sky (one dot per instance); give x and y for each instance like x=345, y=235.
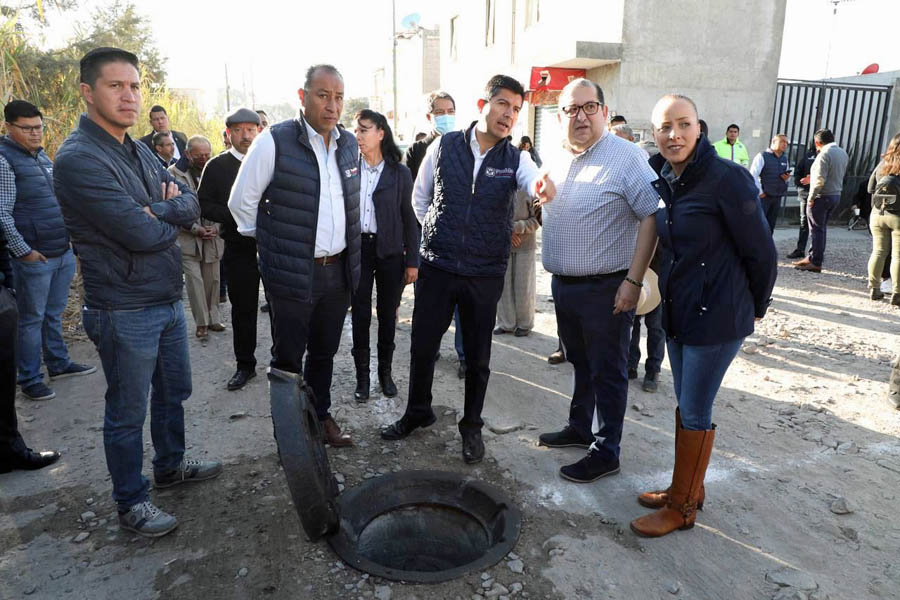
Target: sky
x=269, y=51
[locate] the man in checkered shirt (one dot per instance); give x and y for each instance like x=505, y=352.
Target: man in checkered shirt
x=598, y=238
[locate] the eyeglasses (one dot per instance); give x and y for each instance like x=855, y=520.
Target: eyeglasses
x=589, y=108
x=28, y=128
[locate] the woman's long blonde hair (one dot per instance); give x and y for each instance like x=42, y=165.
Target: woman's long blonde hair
x=891, y=158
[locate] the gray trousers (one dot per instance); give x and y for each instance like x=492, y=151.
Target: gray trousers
x=202, y=282
x=516, y=306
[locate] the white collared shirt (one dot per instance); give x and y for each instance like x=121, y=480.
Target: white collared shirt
x=370, y=177
x=255, y=175
x=236, y=154
x=527, y=174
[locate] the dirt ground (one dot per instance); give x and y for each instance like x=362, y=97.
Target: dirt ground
x=802, y=489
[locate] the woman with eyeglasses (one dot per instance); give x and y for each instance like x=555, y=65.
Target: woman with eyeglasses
x=390, y=238
x=717, y=275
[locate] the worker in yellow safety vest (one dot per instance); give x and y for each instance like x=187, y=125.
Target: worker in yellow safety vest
x=731, y=148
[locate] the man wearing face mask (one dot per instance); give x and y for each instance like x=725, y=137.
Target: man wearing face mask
x=464, y=197
x=442, y=116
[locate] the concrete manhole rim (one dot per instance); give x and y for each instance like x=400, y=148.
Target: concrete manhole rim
x=344, y=544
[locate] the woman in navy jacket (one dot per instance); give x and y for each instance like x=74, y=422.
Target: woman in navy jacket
x=390, y=237
x=718, y=272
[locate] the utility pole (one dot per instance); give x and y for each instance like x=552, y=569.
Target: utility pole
x=227, y=92
x=394, y=41
x=834, y=3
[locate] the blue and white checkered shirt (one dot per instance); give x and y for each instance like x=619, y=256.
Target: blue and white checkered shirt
x=602, y=194
x=17, y=246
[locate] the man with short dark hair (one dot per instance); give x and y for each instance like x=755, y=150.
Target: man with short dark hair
x=442, y=116
x=598, y=258
x=297, y=193
x=826, y=181
x=164, y=148
x=239, y=258
x=770, y=172
x=731, y=148
x=159, y=120
x=263, y=119
x=124, y=211
x=464, y=197
x=801, y=180
x=43, y=262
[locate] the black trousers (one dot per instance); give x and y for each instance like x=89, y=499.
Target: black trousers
x=437, y=293
x=242, y=272
x=9, y=320
x=387, y=275
x=312, y=327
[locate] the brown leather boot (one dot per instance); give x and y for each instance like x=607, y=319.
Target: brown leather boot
x=658, y=498
x=691, y=459
x=334, y=437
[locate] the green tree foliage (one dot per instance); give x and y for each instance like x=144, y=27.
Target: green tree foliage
x=351, y=107
x=50, y=78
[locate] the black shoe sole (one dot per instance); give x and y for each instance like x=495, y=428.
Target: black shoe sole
x=145, y=534
x=162, y=486
x=564, y=476
x=584, y=445
x=57, y=376
x=234, y=388
x=473, y=461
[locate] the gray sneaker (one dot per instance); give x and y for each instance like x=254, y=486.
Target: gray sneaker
x=147, y=520
x=188, y=470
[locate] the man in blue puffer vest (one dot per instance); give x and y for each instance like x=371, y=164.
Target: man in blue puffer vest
x=463, y=197
x=43, y=264
x=297, y=193
x=770, y=172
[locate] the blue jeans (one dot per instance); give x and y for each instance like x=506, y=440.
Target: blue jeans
x=697, y=372
x=142, y=350
x=656, y=341
x=818, y=215
x=42, y=291
x=596, y=343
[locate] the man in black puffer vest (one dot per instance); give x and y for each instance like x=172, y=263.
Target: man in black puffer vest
x=297, y=192
x=463, y=197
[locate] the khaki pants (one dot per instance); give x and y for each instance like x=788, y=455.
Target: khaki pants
x=202, y=282
x=885, y=238
x=516, y=307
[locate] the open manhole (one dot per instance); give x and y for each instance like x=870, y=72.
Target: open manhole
x=420, y=526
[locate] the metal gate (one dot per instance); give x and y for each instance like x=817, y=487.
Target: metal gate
x=857, y=115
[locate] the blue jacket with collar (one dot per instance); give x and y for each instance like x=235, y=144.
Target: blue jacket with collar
x=468, y=227
x=718, y=258
x=128, y=259
x=289, y=211
x=36, y=213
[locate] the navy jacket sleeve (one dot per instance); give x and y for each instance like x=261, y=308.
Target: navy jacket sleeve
x=103, y=202
x=410, y=223
x=746, y=223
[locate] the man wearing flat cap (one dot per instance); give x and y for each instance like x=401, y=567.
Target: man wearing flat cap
x=241, y=270
x=297, y=194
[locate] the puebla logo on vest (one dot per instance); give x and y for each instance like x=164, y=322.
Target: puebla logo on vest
x=348, y=173
x=494, y=172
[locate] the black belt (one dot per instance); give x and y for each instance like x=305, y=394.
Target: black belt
x=368, y=236
x=584, y=278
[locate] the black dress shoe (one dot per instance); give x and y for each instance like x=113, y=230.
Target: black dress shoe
x=27, y=460
x=797, y=254
x=388, y=387
x=361, y=393
x=632, y=373
x=472, y=446
x=264, y=308
x=521, y=332
x=404, y=426
x=240, y=379
x=461, y=371
x=500, y=331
